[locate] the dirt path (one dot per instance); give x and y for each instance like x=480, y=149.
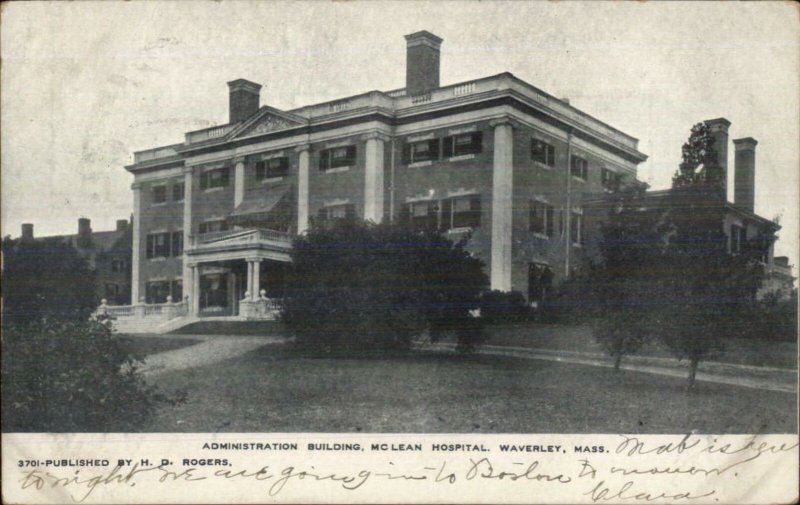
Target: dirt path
x=212, y=349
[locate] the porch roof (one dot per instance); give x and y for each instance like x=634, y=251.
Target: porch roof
x=260, y=207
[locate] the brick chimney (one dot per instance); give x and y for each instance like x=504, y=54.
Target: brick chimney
x=422, y=62
x=744, y=182
x=243, y=99
x=27, y=232
x=719, y=130
x=84, y=227
x=122, y=224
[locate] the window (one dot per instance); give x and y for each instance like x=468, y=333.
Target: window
x=542, y=219
x=337, y=157
x=424, y=150
x=178, y=190
x=112, y=291
x=117, y=265
x=156, y=291
x=461, y=212
x=738, y=236
x=575, y=232
x=460, y=145
x=610, y=179
x=540, y=281
x=271, y=168
x=424, y=215
x=544, y=153
x=335, y=212
x=579, y=167
x=176, y=290
x=212, y=226
x=159, y=194
x=218, y=178
x=177, y=243
x=158, y=245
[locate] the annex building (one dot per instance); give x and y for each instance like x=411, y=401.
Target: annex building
x=495, y=157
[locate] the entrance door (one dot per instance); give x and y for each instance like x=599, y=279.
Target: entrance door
x=214, y=294
x=540, y=281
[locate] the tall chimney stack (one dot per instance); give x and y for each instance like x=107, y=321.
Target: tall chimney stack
x=122, y=224
x=243, y=99
x=422, y=62
x=27, y=232
x=719, y=130
x=84, y=227
x=744, y=182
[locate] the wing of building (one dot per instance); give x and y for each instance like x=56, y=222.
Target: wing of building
x=495, y=157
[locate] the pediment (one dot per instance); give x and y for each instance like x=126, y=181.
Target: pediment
x=268, y=120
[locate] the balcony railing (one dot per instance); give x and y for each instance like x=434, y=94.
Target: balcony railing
x=241, y=237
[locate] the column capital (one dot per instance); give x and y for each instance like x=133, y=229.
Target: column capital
x=238, y=159
x=301, y=148
x=376, y=135
x=137, y=185
x=253, y=259
x=188, y=169
x=503, y=120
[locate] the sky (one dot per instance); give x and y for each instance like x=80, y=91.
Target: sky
x=85, y=84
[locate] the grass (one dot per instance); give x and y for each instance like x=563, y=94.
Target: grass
x=146, y=345
x=275, y=389
x=780, y=354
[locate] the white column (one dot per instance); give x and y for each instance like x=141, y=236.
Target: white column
x=187, y=229
x=256, y=279
x=195, y=296
x=502, y=199
x=137, y=242
x=238, y=183
x=373, y=177
x=302, y=189
x=249, y=280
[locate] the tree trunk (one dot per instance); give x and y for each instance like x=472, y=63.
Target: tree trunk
x=617, y=361
x=693, y=371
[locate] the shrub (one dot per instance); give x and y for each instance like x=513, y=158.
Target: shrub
x=361, y=286
x=64, y=376
x=503, y=307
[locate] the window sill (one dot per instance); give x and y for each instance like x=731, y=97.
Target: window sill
x=579, y=179
x=159, y=204
x=426, y=163
x=336, y=170
x=575, y=244
x=158, y=258
x=267, y=180
x=462, y=157
x=211, y=190
x=541, y=235
x=543, y=166
x=460, y=230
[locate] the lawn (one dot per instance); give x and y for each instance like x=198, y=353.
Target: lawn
x=146, y=345
x=275, y=389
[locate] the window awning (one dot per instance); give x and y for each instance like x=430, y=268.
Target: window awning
x=259, y=208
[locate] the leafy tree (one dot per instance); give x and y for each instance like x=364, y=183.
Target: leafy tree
x=361, y=286
x=45, y=278
x=62, y=371
x=700, y=162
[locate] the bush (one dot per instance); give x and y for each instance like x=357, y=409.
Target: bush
x=504, y=307
x=63, y=376
x=360, y=286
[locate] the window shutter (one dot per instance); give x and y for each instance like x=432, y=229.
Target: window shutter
x=476, y=146
x=406, y=154
x=475, y=210
x=350, y=209
x=351, y=155
x=445, y=221
x=204, y=181
x=433, y=145
x=225, y=176
x=447, y=150
x=149, y=246
x=284, y=164
x=324, y=158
